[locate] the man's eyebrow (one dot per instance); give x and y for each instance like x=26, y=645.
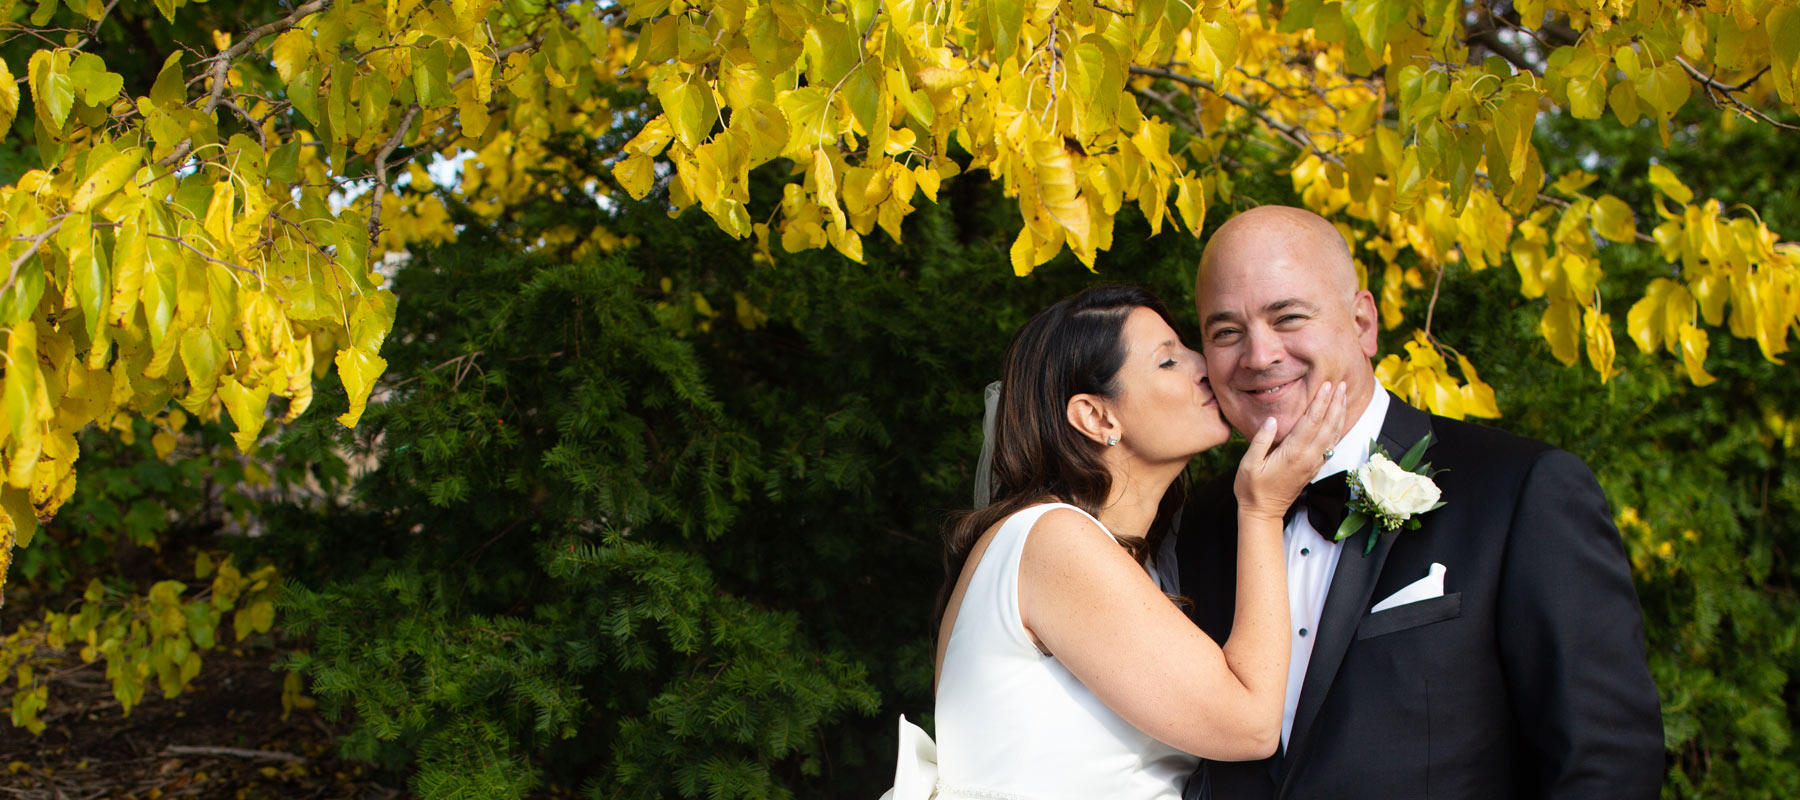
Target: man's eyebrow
x=1276, y=307
x=1288, y=303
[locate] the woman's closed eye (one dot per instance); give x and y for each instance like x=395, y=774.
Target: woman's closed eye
x=1168, y=363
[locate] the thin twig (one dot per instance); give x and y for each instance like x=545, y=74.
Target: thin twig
x=1295, y=134
x=1729, y=92
x=1432, y=306
x=37, y=241
x=85, y=40
x=198, y=750
x=1490, y=40
x=197, y=251
x=221, y=65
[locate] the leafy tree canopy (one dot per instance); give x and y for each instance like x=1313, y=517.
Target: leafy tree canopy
x=199, y=215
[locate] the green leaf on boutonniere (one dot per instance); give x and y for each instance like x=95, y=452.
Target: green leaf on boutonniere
x=1410, y=461
x=1370, y=547
x=1353, y=522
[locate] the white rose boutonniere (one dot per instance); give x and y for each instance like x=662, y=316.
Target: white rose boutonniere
x=1390, y=493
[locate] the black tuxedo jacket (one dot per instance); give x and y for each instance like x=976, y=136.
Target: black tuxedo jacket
x=1527, y=678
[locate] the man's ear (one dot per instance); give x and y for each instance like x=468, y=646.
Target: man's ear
x=1368, y=322
x=1092, y=418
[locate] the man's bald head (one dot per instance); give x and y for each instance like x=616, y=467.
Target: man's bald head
x=1255, y=236
x=1282, y=315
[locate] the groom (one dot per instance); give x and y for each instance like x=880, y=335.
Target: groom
x=1496, y=651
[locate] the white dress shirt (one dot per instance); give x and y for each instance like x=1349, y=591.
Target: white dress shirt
x=1312, y=556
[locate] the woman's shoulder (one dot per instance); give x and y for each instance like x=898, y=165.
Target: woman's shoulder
x=1065, y=533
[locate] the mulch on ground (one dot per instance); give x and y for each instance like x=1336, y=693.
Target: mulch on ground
x=222, y=738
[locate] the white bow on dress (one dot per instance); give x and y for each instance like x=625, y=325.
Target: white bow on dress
x=915, y=767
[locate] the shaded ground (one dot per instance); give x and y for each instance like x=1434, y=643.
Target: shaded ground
x=223, y=738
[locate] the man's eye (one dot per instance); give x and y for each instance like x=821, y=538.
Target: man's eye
x=1290, y=318
x=1223, y=334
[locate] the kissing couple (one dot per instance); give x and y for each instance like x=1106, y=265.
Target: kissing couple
x=1103, y=633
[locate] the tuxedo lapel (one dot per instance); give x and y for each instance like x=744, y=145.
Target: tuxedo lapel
x=1351, y=586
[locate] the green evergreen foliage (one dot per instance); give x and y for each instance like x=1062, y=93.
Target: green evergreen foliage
x=625, y=529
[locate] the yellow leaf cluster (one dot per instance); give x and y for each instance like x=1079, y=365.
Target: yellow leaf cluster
x=159, y=637
x=1422, y=378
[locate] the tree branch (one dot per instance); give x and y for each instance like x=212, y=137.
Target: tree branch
x=36, y=241
x=1295, y=134
x=1490, y=40
x=381, y=176
x=197, y=251
x=1729, y=93
x=221, y=66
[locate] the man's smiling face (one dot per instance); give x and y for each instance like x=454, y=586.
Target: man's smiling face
x=1281, y=316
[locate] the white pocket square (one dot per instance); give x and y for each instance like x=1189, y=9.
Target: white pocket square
x=1425, y=588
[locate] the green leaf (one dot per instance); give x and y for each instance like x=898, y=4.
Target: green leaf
x=303, y=92
x=431, y=76
x=89, y=276
x=97, y=86
x=51, y=88
x=284, y=163
x=170, y=89
x=1587, y=97
x=864, y=95
x=1410, y=461
x=1001, y=20
x=1353, y=522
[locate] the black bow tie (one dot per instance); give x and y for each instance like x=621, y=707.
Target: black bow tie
x=1324, y=501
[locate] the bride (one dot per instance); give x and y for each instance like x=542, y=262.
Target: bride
x=1062, y=670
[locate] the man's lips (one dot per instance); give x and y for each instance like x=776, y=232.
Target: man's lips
x=1269, y=393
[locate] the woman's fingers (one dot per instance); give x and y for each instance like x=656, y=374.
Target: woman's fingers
x=1330, y=422
x=1260, y=443
x=1298, y=447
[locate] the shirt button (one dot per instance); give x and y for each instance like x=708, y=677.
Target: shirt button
x=1302, y=633
x=1306, y=551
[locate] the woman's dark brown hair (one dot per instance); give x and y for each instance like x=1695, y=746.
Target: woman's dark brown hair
x=1074, y=347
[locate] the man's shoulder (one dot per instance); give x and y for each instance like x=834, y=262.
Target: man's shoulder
x=1462, y=434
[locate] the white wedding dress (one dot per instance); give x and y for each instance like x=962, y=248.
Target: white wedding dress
x=1013, y=723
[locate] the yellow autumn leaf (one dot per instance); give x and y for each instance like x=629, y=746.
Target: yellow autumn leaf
x=1561, y=327
x=247, y=406
x=291, y=53
x=357, y=369
x=1190, y=200
x=1657, y=317
x=107, y=179
x=9, y=98
x=1477, y=397
x=637, y=174
x=1665, y=181
x=1693, y=354
x=1597, y=328
x=1614, y=220
x=1058, y=194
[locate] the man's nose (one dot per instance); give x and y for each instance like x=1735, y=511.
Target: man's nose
x=1262, y=351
